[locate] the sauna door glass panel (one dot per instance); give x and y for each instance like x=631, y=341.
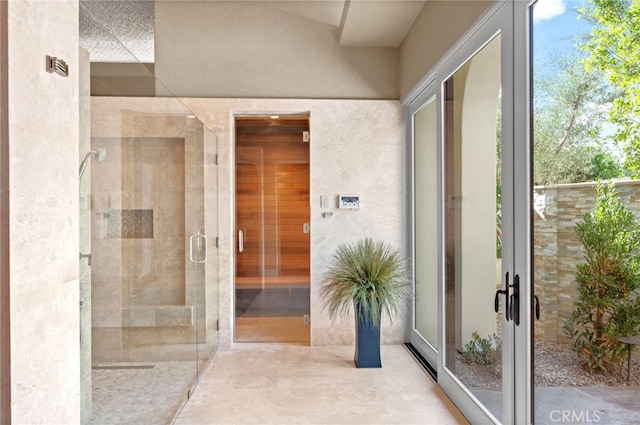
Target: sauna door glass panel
x=272, y=230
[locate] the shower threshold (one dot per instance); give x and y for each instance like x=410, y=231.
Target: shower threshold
x=123, y=367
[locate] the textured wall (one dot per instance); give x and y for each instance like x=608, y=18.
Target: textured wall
x=356, y=147
x=249, y=49
x=436, y=29
x=43, y=134
x=557, y=250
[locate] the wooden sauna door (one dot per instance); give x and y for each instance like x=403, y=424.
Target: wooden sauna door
x=272, y=230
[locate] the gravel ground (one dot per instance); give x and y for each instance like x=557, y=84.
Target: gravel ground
x=555, y=366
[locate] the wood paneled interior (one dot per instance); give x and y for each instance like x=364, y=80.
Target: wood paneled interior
x=272, y=197
x=272, y=329
x=292, y=206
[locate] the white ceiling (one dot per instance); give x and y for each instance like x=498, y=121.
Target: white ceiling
x=107, y=26
x=362, y=23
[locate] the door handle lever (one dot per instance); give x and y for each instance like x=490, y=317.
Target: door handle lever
x=496, y=299
x=515, y=300
x=240, y=240
x=536, y=306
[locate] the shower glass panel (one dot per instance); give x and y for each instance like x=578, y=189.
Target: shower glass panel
x=150, y=286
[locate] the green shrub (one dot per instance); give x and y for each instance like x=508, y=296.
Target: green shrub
x=608, y=305
x=485, y=351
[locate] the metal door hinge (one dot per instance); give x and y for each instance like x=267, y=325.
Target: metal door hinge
x=217, y=242
x=217, y=324
x=306, y=137
x=215, y=161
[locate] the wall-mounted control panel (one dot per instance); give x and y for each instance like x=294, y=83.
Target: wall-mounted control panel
x=349, y=202
x=324, y=201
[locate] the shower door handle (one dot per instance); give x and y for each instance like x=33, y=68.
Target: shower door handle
x=198, y=238
x=206, y=247
x=240, y=240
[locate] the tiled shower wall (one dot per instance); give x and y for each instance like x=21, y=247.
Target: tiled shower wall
x=142, y=296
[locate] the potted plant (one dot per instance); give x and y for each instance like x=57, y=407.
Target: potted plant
x=372, y=277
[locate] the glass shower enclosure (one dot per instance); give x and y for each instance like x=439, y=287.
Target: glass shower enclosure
x=148, y=252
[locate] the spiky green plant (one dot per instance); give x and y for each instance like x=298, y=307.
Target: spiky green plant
x=369, y=274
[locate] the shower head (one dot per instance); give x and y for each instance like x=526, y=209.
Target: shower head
x=99, y=154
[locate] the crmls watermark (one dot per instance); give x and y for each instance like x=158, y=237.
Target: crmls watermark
x=575, y=416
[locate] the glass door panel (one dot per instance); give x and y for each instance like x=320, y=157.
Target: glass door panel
x=207, y=288
x=581, y=370
x=424, y=335
x=272, y=289
x=250, y=262
x=478, y=367
x=479, y=130
x=149, y=256
x=472, y=226
x=149, y=222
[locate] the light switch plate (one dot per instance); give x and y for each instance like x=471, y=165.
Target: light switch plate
x=324, y=202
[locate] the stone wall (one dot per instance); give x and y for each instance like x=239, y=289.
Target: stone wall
x=557, y=250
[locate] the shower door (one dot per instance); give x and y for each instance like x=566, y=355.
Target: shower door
x=154, y=285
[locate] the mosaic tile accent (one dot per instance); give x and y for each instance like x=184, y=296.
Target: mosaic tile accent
x=130, y=224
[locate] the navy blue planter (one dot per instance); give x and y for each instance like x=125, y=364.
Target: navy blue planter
x=367, y=343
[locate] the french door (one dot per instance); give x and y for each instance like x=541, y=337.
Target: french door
x=470, y=182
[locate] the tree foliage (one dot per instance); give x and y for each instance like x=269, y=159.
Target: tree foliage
x=608, y=282
x=568, y=119
x=614, y=49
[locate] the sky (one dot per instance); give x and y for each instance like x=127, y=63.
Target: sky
x=556, y=23
x=555, y=26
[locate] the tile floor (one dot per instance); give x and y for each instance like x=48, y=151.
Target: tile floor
x=299, y=384
x=141, y=394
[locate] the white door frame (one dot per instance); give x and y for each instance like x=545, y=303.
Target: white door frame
x=511, y=19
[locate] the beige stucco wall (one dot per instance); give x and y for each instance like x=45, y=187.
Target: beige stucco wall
x=435, y=31
x=477, y=88
x=43, y=216
x=251, y=49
